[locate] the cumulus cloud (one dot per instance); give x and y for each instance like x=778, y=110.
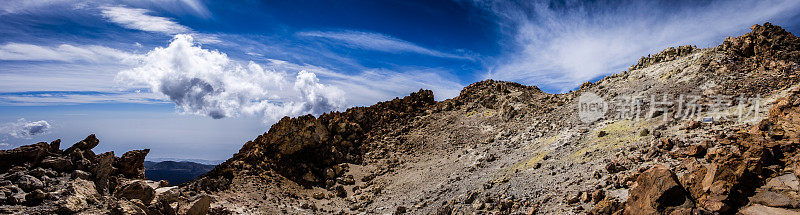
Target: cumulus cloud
x=138, y=19
x=377, y=42
x=25, y=129
x=207, y=82
x=561, y=44
x=63, y=52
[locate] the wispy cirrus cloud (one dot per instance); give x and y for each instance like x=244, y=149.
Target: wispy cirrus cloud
x=138, y=19
x=377, y=42
x=560, y=44
x=40, y=98
x=63, y=53
x=195, y=7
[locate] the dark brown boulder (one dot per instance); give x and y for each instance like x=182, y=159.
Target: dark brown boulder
x=86, y=144
x=720, y=181
x=24, y=154
x=131, y=164
x=102, y=169
x=57, y=163
x=55, y=146
x=137, y=189
x=657, y=191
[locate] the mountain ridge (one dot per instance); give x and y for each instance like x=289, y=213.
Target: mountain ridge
x=498, y=147
x=760, y=62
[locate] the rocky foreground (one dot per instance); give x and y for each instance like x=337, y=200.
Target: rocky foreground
x=43, y=179
x=684, y=131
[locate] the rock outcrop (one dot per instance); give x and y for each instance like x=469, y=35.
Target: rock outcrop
x=303, y=148
x=657, y=191
x=751, y=170
x=43, y=179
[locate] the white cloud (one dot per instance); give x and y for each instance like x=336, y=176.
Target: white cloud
x=561, y=45
x=198, y=7
x=377, y=42
x=5, y=146
x=63, y=52
x=25, y=129
x=207, y=82
x=137, y=19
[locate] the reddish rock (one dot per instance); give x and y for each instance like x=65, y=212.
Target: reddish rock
x=606, y=207
x=657, y=191
x=131, y=164
x=718, y=183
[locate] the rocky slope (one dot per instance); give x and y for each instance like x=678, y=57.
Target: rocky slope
x=505, y=148
x=684, y=131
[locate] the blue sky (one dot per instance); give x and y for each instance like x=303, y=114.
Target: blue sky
x=197, y=79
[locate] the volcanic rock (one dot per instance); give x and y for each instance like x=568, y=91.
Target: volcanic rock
x=657, y=191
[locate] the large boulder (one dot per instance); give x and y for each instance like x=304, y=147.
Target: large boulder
x=71, y=205
x=125, y=207
x=28, y=153
x=720, y=181
x=62, y=164
x=764, y=210
x=86, y=144
x=131, y=164
x=657, y=191
x=197, y=207
x=83, y=188
x=166, y=194
x=137, y=189
x=786, y=182
x=774, y=199
x=102, y=169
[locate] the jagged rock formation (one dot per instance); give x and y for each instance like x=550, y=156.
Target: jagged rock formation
x=668, y=54
x=43, y=179
x=306, y=149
